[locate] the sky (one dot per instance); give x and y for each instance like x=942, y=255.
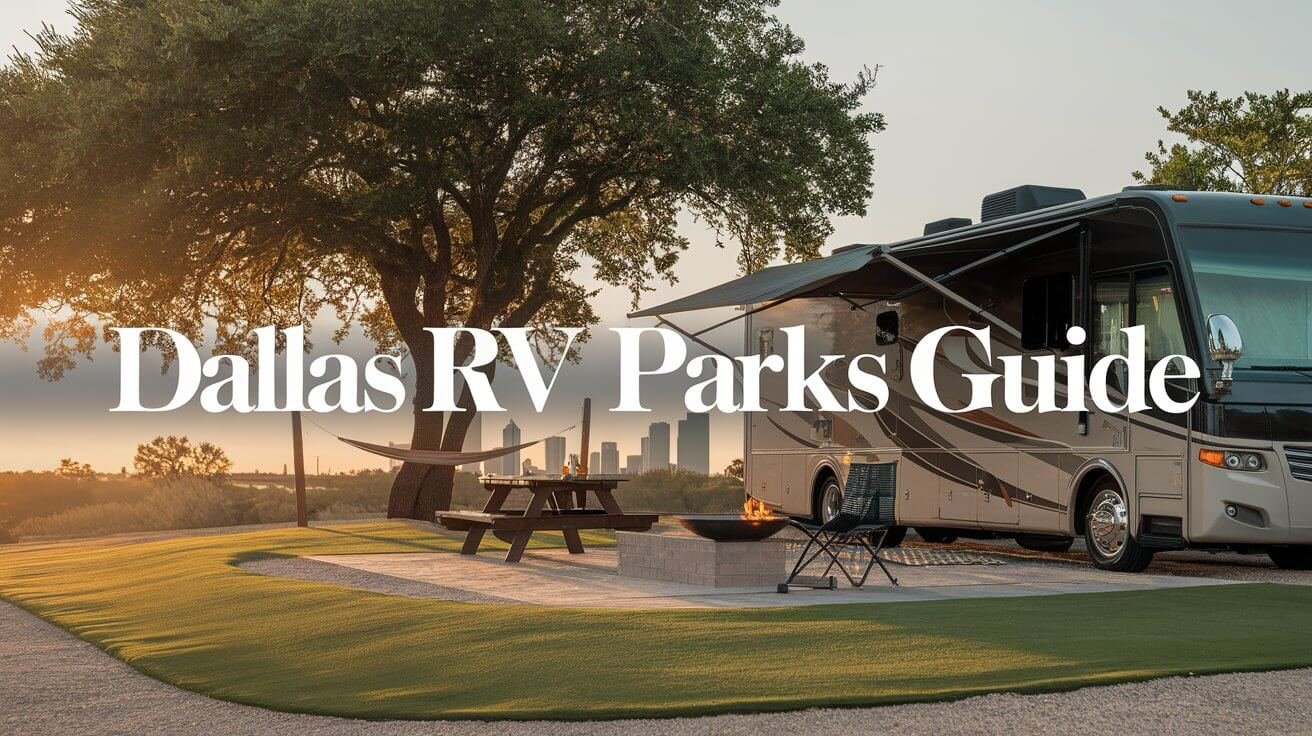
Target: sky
x=978, y=97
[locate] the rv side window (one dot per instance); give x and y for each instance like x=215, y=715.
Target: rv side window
x=1046, y=312
x=886, y=328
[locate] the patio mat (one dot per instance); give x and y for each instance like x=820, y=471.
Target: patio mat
x=913, y=556
x=916, y=557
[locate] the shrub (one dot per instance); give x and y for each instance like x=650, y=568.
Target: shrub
x=28, y=495
x=183, y=504
x=679, y=491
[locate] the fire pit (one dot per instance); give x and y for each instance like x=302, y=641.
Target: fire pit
x=755, y=523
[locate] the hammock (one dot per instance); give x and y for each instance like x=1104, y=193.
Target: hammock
x=437, y=457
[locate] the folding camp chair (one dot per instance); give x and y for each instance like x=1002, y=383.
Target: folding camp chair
x=864, y=521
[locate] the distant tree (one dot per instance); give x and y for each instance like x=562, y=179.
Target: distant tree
x=174, y=457
x=408, y=165
x=735, y=469
x=208, y=461
x=70, y=468
x=1255, y=143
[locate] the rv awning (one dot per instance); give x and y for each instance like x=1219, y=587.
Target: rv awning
x=771, y=284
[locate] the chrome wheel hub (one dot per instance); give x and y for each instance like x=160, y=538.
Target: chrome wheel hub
x=833, y=503
x=1108, y=523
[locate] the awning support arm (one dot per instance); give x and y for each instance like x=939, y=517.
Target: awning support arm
x=990, y=258
x=734, y=318
x=948, y=293
x=694, y=336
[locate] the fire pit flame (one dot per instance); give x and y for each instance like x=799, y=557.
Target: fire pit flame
x=756, y=522
x=756, y=510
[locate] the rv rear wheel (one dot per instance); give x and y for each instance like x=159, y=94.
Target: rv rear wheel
x=1039, y=543
x=1291, y=558
x=1107, y=531
x=936, y=536
x=828, y=501
x=894, y=537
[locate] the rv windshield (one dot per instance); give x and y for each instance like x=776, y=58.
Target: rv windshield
x=1263, y=280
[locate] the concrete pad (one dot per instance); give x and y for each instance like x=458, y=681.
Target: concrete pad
x=557, y=578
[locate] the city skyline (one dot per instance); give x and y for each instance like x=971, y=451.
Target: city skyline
x=691, y=440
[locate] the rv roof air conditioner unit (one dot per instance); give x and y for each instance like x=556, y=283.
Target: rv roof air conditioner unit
x=1025, y=199
x=946, y=224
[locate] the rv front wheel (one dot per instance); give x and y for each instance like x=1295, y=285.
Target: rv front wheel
x=1107, y=532
x=1291, y=558
x=829, y=501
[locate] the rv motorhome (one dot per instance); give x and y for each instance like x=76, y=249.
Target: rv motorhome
x=1225, y=279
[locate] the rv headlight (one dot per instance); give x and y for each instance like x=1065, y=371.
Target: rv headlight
x=1233, y=459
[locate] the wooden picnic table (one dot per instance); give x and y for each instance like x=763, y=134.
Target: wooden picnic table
x=555, y=504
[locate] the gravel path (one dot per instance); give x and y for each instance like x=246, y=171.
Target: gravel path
x=52, y=683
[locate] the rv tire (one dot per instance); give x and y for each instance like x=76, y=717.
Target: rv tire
x=1291, y=557
x=936, y=536
x=1107, y=533
x=828, y=500
x=894, y=537
x=1039, y=543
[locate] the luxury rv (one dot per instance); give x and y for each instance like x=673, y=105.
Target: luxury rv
x=1225, y=279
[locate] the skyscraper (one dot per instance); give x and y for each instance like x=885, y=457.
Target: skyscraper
x=610, y=458
x=695, y=443
x=646, y=454
x=555, y=454
x=510, y=437
x=658, y=447
x=633, y=465
x=594, y=463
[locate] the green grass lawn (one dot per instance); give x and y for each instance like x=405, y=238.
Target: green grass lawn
x=181, y=611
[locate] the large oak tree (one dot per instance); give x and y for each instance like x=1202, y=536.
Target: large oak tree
x=227, y=164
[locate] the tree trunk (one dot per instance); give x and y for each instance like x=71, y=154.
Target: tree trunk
x=417, y=488
x=420, y=491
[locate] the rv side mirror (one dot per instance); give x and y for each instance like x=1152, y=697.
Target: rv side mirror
x=1225, y=346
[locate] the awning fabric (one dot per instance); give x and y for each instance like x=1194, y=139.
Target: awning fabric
x=770, y=284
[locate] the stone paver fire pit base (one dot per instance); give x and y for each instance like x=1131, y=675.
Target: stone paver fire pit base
x=680, y=558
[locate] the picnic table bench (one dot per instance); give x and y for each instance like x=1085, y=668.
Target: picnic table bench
x=555, y=504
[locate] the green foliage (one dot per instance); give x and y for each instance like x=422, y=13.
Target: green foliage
x=734, y=469
x=405, y=163
x=679, y=491
x=178, y=504
x=171, y=458
x=70, y=468
x=46, y=504
x=1255, y=143
x=28, y=495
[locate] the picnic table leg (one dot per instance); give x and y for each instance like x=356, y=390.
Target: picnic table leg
x=473, y=538
x=607, y=500
x=494, y=501
x=521, y=538
x=572, y=541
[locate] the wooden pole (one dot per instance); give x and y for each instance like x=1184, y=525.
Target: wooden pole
x=298, y=452
x=587, y=429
